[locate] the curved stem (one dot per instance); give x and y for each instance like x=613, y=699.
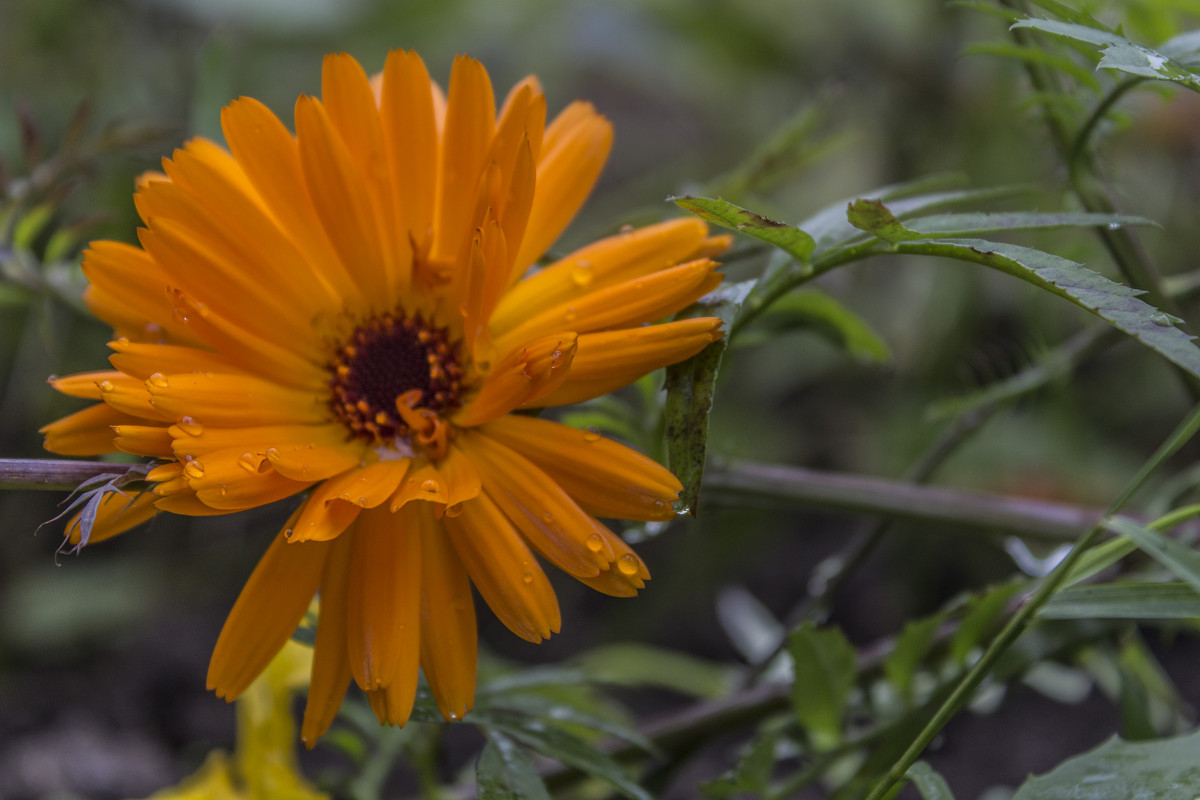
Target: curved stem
x=53, y=474
x=1077, y=150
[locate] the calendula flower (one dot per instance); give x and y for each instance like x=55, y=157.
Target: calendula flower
x=349, y=312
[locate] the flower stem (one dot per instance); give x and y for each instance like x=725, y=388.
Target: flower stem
x=51, y=474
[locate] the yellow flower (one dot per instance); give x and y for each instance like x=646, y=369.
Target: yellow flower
x=264, y=765
x=349, y=311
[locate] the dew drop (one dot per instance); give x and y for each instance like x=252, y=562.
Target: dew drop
x=1162, y=319
x=106, y=386
x=194, y=469
x=628, y=564
x=361, y=502
x=248, y=462
x=527, y=577
x=591, y=435
x=660, y=507
x=548, y=517
x=570, y=315
x=224, y=490
x=190, y=426
x=272, y=453
x=157, y=379
x=453, y=510
x=582, y=274
x=429, y=486
x=595, y=543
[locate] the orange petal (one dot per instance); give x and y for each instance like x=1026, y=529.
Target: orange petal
x=125, y=289
x=607, y=361
x=624, y=305
x=605, y=477
x=449, y=642
x=525, y=374
x=384, y=603
x=234, y=400
x=142, y=359
x=85, y=433
x=331, y=658
x=340, y=498
x=543, y=513
x=504, y=570
x=266, y=613
x=628, y=573
x=143, y=440
x=470, y=120
x=608, y=262
x=410, y=134
x=573, y=152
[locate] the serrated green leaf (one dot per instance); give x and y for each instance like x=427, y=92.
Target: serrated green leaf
x=1124, y=601
x=1181, y=560
x=1112, y=302
x=565, y=747
x=929, y=783
x=912, y=645
x=824, y=668
x=646, y=665
x=792, y=240
x=1166, y=769
x=810, y=308
x=505, y=772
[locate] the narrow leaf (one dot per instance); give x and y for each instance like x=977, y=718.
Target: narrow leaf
x=824, y=664
x=912, y=645
x=1112, y=302
x=1124, y=601
x=978, y=224
x=981, y=619
x=690, y=386
x=1165, y=769
x=1181, y=560
x=792, y=240
x=567, y=748
x=810, y=308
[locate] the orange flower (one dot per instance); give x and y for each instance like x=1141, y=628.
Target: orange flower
x=349, y=312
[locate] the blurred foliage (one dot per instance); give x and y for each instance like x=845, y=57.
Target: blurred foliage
x=780, y=651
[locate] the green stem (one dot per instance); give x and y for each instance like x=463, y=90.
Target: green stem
x=1017, y=624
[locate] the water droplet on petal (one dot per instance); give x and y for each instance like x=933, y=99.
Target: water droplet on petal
x=224, y=490
x=194, y=469
x=272, y=453
x=628, y=564
x=106, y=386
x=570, y=315
x=582, y=274
x=248, y=462
x=190, y=426
x=548, y=517
x=429, y=486
x=660, y=507
x=361, y=502
x=527, y=577
x=595, y=543
x=591, y=435
x=157, y=379
x=454, y=510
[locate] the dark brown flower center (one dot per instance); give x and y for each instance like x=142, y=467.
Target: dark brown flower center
x=383, y=365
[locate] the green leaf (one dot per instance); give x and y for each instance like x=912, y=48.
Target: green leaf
x=929, y=783
x=810, y=308
x=751, y=774
x=564, y=747
x=981, y=619
x=1036, y=55
x=1181, y=560
x=1124, y=601
x=646, y=665
x=978, y=223
x=1112, y=302
x=1118, y=53
x=912, y=645
x=1166, y=769
x=824, y=665
x=792, y=240
x=30, y=225
x=690, y=387
x=505, y=772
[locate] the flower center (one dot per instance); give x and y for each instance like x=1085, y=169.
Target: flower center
x=390, y=367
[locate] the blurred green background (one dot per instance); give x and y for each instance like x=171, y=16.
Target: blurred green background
x=102, y=656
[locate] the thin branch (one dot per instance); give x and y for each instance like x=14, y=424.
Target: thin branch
x=1035, y=519
x=52, y=474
